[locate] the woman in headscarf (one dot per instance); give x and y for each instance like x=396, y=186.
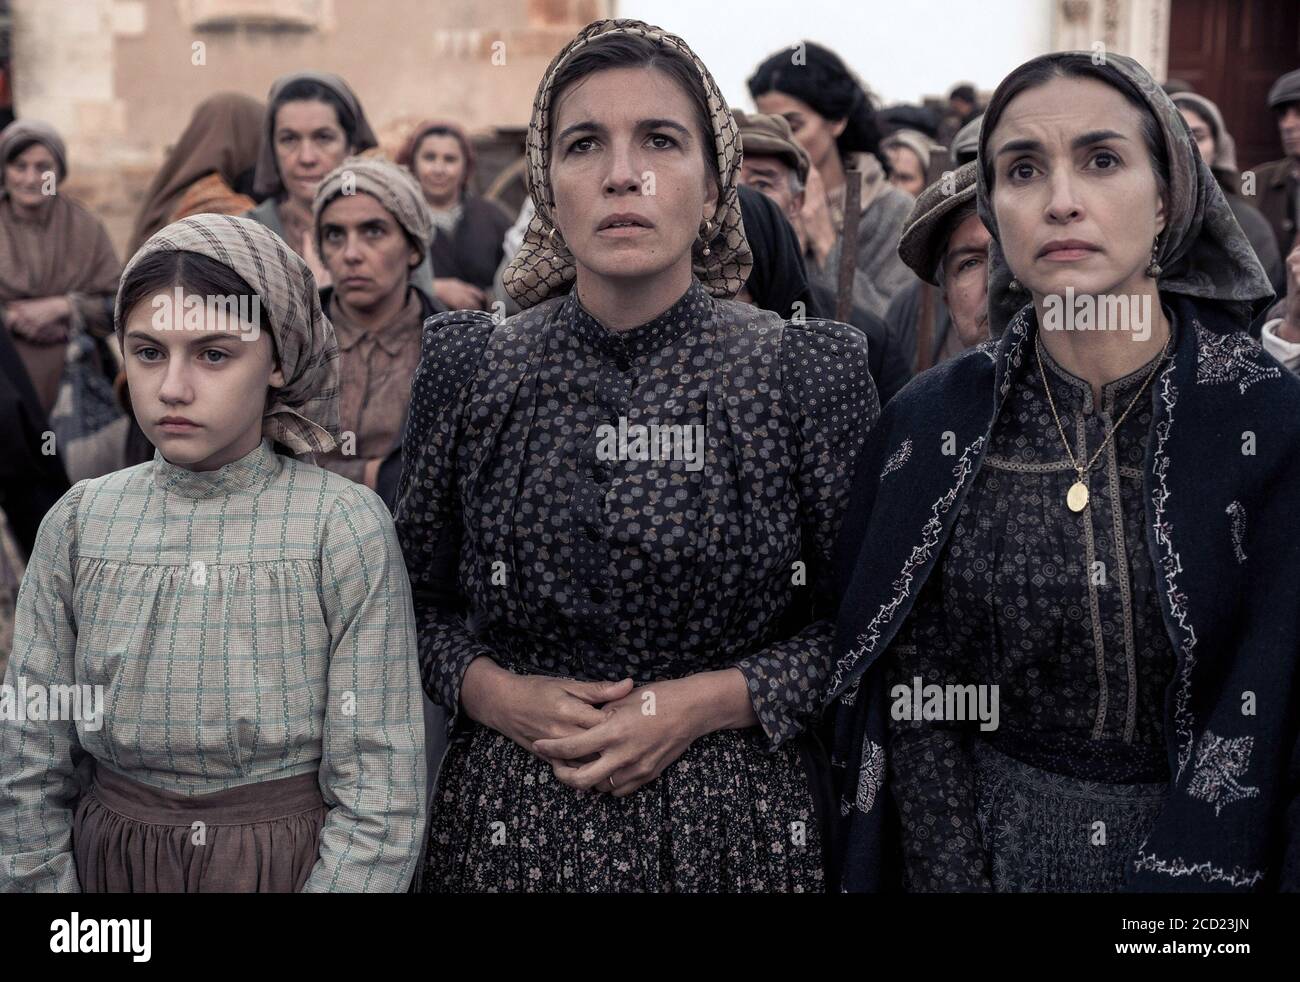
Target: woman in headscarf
x=909, y=159
x=210, y=169
x=261, y=684
x=832, y=116
x=646, y=616
x=777, y=281
x=58, y=273
x=469, y=231
x=313, y=120
x=1087, y=531
x=1219, y=150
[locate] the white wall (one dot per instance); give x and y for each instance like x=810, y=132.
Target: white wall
x=903, y=49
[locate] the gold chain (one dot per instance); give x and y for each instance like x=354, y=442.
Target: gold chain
x=1082, y=471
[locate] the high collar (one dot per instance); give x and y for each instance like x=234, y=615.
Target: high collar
x=1069, y=389
x=688, y=312
x=248, y=473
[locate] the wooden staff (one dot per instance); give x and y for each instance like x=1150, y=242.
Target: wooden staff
x=849, y=243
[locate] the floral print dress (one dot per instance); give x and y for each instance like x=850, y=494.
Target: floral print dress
x=526, y=544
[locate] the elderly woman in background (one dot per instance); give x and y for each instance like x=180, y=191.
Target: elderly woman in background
x=831, y=115
x=58, y=276
x=630, y=646
x=1219, y=150
x=313, y=120
x=469, y=231
x=210, y=169
x=1079, y=520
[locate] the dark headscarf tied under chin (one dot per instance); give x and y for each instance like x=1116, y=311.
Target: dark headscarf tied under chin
x=1203, y=252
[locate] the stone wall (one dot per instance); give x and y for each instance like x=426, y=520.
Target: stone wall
x=119, y=78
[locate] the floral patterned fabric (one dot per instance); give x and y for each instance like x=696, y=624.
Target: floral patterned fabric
x=577, y=566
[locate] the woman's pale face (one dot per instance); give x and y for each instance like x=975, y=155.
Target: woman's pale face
x=309, y=143
x=626, y=143
x=815, y=133
x=198, y=386
x=440, y=169
x=1074, y=191
x=29, y=175
x=908, y=171
x=1201, y=133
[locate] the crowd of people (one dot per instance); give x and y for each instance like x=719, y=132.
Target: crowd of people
x=336, y=439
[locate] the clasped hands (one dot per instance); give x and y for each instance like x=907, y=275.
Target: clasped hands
x=610, y=737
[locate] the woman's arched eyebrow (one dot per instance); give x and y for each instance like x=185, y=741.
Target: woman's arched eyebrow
x=1078, y=143
x=590, y=126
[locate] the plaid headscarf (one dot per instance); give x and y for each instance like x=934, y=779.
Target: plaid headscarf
x=390, y=185
x=541, y=270
x=303, y=414
x=1203, y=251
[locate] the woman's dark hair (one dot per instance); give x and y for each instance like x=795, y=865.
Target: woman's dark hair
x=22, y=146
x=306, y=90
x=634, y=51
x=160, y=271
x=822, y=80
x=1078, y=65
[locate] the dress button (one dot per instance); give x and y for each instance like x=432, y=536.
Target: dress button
x=596, y=595
x=592, y=534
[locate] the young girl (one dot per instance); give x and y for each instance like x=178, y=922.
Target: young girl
x=245, y=616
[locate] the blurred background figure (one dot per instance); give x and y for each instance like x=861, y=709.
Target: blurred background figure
x=467, y=244
x=1278, y=182
x=830, y=113
x=1219, y=151
x=313, y=120
x=58, y=277
x=776, y=165
x=910, y=155
x=210, y=169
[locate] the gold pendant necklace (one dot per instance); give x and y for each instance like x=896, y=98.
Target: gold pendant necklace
x=1076, y=499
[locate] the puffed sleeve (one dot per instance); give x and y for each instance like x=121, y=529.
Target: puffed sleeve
x=428, y=516
x=372, y=771
x=831, y=402
x=38, y=757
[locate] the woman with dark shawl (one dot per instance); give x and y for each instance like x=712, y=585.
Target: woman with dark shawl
x=629, y=642
x=469, y=231
x=1092, y=529
x=778, y=281
x=313, y=120
x=58, y=275
x=831, y=114
x=210, y=169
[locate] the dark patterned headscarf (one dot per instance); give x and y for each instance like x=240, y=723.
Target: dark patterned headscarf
x=1202, y=252
x=542, y=269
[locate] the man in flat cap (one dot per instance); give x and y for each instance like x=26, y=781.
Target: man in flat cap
x=774, y=164
x=946, y=245
x=1278, y=182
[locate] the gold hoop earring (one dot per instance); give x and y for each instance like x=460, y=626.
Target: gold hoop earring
x=707, y=235
x=1014, y=286
x=555, y=239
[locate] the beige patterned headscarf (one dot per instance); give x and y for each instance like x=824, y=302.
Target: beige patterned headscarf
x=304, y=412
x=542, y=269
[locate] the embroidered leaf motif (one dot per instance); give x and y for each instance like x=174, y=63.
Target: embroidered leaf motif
x=897, y=459
x=871, y=777
x=1227, y=358
x=1220, y=761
